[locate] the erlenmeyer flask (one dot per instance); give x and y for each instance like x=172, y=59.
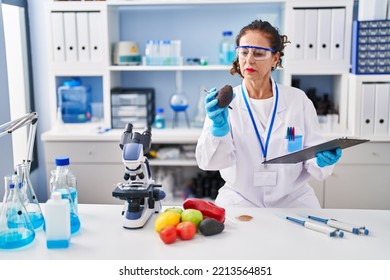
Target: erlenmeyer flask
x=29, y=198
x=16, y=229
x=200, y=116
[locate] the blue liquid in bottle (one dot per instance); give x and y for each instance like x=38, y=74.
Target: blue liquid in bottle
x=61, y=185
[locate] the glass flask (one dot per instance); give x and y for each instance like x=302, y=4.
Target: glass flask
x=179, y=103
x=28, y=195
x=200, y=116
x=16, y=229
x=61, y=184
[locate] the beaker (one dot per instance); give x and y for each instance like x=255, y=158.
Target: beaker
x=16, y=229
x=28, y=195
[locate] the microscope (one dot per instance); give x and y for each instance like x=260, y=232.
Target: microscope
x=142, y=196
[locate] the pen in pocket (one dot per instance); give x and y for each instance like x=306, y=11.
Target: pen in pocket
x=290, y=133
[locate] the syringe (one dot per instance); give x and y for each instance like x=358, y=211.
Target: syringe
x=340, y=225
x=318, y=227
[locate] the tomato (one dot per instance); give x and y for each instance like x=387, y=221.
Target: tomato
x=186, y=230
x=168, y=234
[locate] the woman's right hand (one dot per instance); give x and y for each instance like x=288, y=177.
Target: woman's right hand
x=218, y=115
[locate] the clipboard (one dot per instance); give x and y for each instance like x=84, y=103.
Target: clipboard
x=311, y=152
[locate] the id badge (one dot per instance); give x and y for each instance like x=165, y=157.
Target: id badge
x=264, y=178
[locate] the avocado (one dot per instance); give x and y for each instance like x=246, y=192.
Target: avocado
x=224, y=96
x=210, y=226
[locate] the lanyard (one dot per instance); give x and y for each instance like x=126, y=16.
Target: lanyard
x=264, y=149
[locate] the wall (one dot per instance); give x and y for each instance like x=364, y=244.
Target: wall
x=6, y=162
x=41, y=92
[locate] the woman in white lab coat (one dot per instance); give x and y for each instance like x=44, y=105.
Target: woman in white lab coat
x=266, y=120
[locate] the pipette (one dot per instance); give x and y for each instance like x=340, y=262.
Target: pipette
x=318, y=227
x=340, y=225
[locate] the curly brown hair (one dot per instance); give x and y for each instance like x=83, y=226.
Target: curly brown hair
x=278, y=42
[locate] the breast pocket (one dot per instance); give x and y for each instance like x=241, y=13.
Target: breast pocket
x=294, y=144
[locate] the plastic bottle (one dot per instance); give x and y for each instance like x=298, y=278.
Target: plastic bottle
x=159, y=118
x=57, y=222
x=74, y=102
x=71, y=180
x=60, y=184
x=227, y=48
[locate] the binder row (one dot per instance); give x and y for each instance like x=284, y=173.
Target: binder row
x=76, y=36
x=375, y=109
x=318, y=34
x=371, y=47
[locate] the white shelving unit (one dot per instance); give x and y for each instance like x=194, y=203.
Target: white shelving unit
x=96, y=158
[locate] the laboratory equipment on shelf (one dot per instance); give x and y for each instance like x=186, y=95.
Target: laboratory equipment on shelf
x=142, y=196
x=60, y=184
x=16, y=229
x=28, y=195
x=74, y=102
x=126, y=53
x=159, y=118
x=179, y=103
x=227, y=48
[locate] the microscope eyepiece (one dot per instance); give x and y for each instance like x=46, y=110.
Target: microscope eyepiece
x=129, y=128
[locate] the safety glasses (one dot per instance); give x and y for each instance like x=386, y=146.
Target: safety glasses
x=258, y=53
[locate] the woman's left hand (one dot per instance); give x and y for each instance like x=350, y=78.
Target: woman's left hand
x=326, y=158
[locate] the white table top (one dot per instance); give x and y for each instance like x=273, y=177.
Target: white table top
x=267, y=236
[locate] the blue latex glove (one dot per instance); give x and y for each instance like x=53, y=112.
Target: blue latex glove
x=218, y=115
x=326, y=158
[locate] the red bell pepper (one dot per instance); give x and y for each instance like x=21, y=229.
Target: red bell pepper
x=208, y=209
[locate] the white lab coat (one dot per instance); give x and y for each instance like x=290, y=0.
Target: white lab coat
x=238, y=155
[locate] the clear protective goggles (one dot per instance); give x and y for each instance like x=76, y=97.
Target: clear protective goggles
x=258, y=53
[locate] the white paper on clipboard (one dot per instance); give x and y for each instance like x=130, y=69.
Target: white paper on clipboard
x=311, y=152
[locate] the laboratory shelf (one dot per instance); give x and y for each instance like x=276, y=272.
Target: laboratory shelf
x=171, y=68
x=159, y=136
x=187, y=2
x=178, y=162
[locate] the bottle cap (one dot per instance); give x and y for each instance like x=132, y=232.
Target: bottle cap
x=159, y=110
x=56, y=196
x=62, y=161
x=227, y=33
x=72, y=83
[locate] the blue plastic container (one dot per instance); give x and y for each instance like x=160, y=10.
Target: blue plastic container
x=74, y=101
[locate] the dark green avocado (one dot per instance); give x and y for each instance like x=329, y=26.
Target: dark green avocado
x=210, y=226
